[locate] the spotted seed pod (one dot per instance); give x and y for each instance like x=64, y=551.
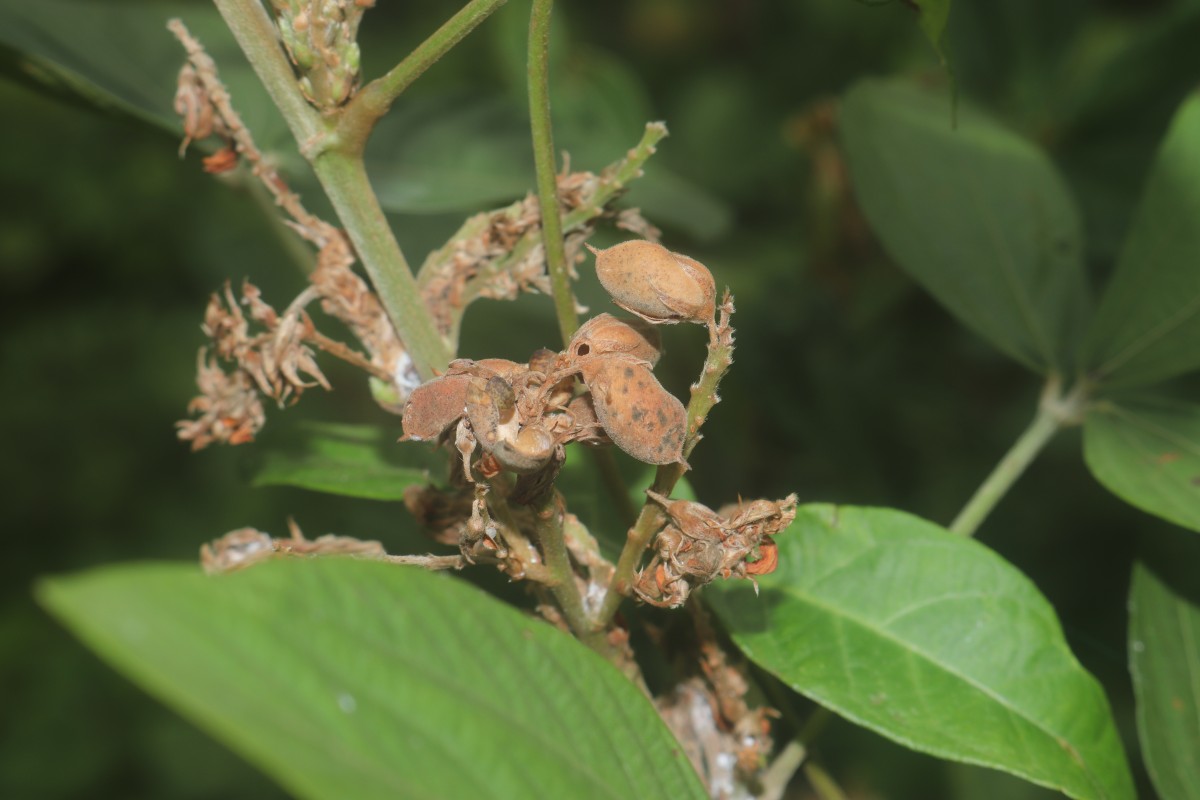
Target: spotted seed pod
x=639, y=415
x=434, y=407
x=606, y=335
x=659, y=286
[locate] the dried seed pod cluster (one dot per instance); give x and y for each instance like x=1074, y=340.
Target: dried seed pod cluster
x=699, y=545
x=521, y=415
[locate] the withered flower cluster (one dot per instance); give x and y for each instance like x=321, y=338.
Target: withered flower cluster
x=272, y=360
x=699, y=545
x=498, y=254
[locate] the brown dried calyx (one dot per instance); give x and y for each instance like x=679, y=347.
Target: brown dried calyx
x=698, y=545
x=659, y=286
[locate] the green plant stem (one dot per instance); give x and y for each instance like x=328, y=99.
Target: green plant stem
x=345, y=181
x=778, y=775
x=547, y=171
x=613, y=180
x=651, y=518
x=256, y=35
x=823, y=783
x=373, y=101
x=1055, y=410
x=548, y=529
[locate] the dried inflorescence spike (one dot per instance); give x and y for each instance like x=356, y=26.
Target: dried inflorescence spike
x=699, y=545
x=662, y=287
x=245, y=547
x=275, y=361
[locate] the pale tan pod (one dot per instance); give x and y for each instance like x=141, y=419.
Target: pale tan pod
x=605, y=334
x=660, y=286
x=639, y=415
x=434, y=406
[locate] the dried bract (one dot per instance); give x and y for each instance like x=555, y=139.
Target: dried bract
x=646, y=279
x=434, y=407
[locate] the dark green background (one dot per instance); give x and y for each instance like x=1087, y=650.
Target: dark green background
x=850, y=384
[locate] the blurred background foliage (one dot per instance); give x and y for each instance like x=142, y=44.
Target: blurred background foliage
x=850, y=383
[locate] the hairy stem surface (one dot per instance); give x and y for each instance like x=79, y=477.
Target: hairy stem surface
x=547, y=171
x=651, y=518
x=374, y=99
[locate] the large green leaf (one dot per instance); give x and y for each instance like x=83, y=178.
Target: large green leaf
x=345, y=678
x=1164, y=658
x=352, y=460
x=432, y=154
x=120, y=55
x=1147, y=452
x=1147, y=327
x=974, y=213
x=932, y=640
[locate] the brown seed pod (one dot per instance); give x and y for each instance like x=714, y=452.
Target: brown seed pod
x=659, y=286
x=639, y=415
x=434, y=406
x=605, y=334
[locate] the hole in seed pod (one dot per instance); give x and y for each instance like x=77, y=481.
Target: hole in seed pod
x=583, y=350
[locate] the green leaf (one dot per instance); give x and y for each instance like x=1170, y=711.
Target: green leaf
x=932, y=640
x=1164, y=659
x=976, y=214
x=1147, y=327
x=120, y=55
x=344, y=678
x=351, y=460
x=1147, y=452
